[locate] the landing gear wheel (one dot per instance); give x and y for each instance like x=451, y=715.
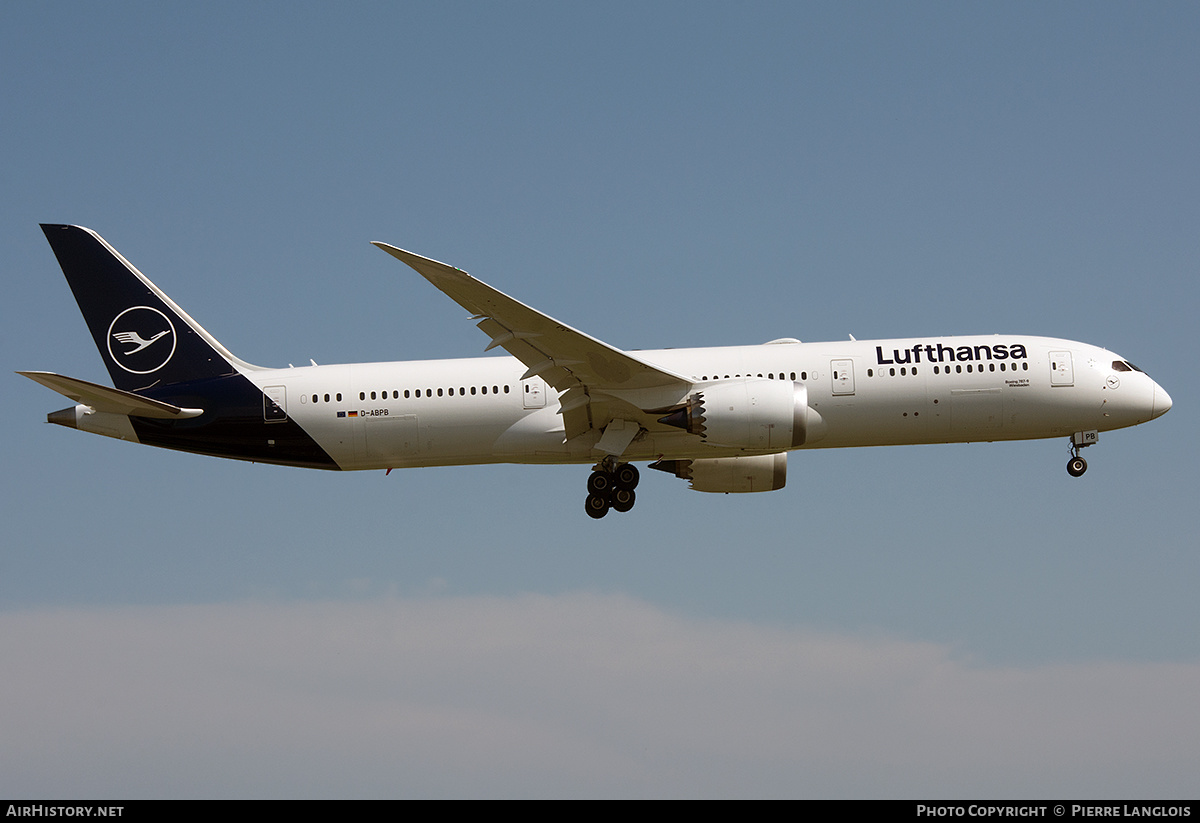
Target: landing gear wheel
x=611, y=487
x=601, y=483
x=623, y=499
x=626, y=476
x=596, y=506
x=1076, y=466
x=1080, y=440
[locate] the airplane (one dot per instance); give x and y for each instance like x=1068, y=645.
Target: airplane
x=723, y=419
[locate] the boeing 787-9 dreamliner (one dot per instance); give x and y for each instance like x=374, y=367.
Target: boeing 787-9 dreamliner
x=724, y=419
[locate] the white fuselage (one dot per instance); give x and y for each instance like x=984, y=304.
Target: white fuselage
x=721, y=418
x=861, y=393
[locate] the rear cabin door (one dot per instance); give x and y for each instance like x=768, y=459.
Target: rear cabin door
x=274, y=404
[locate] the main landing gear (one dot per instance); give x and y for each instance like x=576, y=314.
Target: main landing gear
x=1076, y=466
x=611, y=486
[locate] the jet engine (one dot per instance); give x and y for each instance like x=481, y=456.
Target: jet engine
x=750, y=413
x=754, y=473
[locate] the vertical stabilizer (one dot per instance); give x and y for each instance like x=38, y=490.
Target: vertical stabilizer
x=144, y=338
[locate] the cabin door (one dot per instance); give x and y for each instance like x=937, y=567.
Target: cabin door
x=274, y=404
x=1062, y=370
x=534, y=392
x=841, y=373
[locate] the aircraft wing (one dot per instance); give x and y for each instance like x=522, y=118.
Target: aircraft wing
x=106, y=399
x=562, y=356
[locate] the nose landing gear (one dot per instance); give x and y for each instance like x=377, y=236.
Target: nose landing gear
x=611, y=485
x=1076, y=466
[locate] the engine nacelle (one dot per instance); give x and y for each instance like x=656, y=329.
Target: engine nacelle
x=751, y=413
x=754, y=473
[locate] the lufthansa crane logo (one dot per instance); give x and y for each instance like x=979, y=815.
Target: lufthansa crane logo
x=141, y=340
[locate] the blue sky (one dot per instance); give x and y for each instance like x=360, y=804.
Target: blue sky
x=939, y=621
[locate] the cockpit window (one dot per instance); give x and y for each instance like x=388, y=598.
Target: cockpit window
x=1130, y=365
x=1120, y=365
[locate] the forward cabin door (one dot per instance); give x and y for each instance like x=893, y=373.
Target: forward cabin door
x=1062, y=370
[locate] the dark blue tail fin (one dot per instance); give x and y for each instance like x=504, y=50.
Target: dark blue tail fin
x=144, y=338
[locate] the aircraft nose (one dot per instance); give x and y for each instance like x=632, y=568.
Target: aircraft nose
x=1162, y=402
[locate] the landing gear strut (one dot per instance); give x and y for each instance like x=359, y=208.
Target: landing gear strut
x=611, y=485
x=1076, y=466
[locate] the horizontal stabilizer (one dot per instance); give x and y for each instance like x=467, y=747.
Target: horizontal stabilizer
x=105, y=399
